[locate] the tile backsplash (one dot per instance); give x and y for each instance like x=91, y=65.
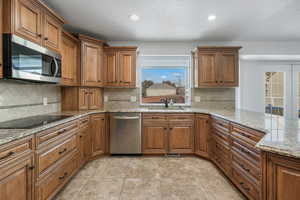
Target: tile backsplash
x=18, y=99
x=209, y=98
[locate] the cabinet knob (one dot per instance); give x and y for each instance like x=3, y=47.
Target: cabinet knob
x=39, y=35
x=31, y=167
x=46, y=38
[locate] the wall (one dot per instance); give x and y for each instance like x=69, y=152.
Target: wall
x=227, y=97
x=18, y=100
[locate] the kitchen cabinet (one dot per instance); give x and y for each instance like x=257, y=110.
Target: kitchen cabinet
x=70, y=68
x=34, y=21
x=98, y=134
x=82, y=98
x=85, y=140
x=120, y=66
x=17, y=179
x=91, y=61
x=202, y=135
x=155, y=138
x=216, y=66
x=283, y=178
x=1, y=39
x=168, y=133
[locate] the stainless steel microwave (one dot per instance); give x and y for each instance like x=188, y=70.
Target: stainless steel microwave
x=28, y=61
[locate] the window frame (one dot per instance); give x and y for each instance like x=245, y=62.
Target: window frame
x=188, y=80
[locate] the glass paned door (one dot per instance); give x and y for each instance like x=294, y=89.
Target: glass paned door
x=296, y=90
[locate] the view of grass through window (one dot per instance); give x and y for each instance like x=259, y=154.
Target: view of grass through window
x=164, y=82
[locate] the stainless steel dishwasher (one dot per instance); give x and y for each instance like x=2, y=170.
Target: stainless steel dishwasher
x=125, y=133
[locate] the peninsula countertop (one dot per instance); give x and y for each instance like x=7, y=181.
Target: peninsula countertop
x=282, y=135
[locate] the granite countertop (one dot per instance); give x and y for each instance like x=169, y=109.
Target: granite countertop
x=282, y=136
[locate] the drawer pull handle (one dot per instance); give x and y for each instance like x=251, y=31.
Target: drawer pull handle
x=61, y=131
x=80, y=136
x=244, y=187
x=85, y=121
x=155, y=117
x=245, y=151
x=31, y=167
x=63, y=151
x=245, y=135
x=7, y=155
x=244, y=168
x=64, y=176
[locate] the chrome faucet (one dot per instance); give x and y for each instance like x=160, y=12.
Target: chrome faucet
x=165, y=101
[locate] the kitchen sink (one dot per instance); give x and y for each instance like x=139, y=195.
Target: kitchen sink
x=169, y=108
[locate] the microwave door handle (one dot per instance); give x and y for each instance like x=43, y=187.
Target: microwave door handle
x=56, y=67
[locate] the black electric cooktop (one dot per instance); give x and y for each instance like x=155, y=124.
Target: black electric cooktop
x=31, y=122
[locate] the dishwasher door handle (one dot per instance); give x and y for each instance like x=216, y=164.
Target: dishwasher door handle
x=125, y=117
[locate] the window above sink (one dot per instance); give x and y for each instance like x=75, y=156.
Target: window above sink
x=164, y=77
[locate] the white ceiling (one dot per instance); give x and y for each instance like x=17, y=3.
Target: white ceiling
x=183, y=20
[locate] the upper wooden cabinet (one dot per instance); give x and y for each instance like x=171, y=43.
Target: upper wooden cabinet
x=82, y=98
x=216, y=67
x=34, y=21
x=91, y=61
x=120, y=66
x=70, y=60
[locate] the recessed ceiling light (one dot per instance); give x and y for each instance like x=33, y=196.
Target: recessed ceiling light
x=211, y=17
x=134, y=17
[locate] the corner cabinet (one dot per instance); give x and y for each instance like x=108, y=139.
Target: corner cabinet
x=120, y=67
x=216, y=67
x=283, y=178
x=70, y=74
x=34, y=21
x=91, y=61
x=82, y=98
x=202, y=135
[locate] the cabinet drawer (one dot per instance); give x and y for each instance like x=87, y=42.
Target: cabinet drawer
x=221, y=123
x=248, y=135
x=246, y=152
x=52, y=134
x=16, y=149
x=221, y=134
x=222, y=146
x=84, y=121
x=246, y=166
x=221, y=161
x=48, y=156
x=246, y=186
x=180, y=117
x=154, y=116
x=50, y=185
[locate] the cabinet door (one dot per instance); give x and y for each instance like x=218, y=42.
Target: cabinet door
x=127, y=68
x=70, y=63
x=98, y=134
x=228, y=66
x=91, y=64
x=16, y=180
x=181, y=138
x=1, y=40
x=202, y=135
x=95, y=98
x=85, y=144
x=155, y=137
x=27, y=20
x=207, y=69
x=110, y=61
x=52, y=33
x=83, y=102
x=283, y=178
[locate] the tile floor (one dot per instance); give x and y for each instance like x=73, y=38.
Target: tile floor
x=149, y=178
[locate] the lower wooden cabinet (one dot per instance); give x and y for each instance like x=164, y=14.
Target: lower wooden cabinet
x=168, y=133
x=98, y=134
x=283, y=178
x=84, y=138
x=155, y=137
x=202, y=135
x=82, y=98
x=17, y=179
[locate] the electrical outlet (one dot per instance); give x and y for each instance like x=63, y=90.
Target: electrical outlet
x=132, y=98
x=45, y=101
x=197, y=98
x=105, y=98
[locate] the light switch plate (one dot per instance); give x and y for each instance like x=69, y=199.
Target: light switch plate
x=105, y=98
x=132, y=98
x=197, y=98
x=45, y=101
